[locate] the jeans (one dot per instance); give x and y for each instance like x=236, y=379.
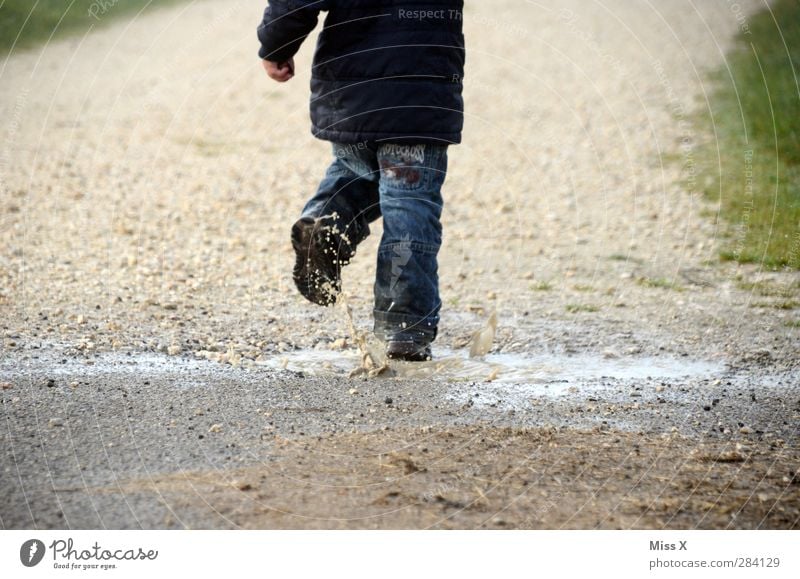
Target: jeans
x=402, y=183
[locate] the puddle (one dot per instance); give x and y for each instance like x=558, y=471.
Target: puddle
x=513, y=375
x=558, y=372
x=316, y=362
x=518, y=378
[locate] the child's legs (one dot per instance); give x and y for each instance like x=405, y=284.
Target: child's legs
x=349, y=188
x=407, y=283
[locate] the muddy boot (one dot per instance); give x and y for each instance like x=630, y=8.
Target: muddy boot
x=408, y=351
x=321, y=249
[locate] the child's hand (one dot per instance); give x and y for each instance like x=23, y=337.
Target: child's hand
x=279, y=71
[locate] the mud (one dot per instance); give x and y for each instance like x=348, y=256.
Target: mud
x=493, y=478
x=400, y=171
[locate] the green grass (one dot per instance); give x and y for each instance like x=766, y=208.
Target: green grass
x=658, y=282
x=541, y=286
x=751, y=166
x=25, y=23
x=577, y=308
x=782, y=305
x=768, y=289
x=623, y=257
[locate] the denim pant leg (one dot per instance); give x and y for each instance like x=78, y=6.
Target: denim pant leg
x=350, y=189
x=407, y=300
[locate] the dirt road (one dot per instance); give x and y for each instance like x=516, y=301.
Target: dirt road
x=159, y=370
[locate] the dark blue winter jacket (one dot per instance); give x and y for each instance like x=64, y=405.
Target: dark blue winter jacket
x=384, y=70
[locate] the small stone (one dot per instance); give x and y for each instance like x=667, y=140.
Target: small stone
x=174, y=350
x=55, y=422
x=51, y=383
x=6, y=385
x=234, y=358
x=731, y=456
x=388, y=400
x=339, y=344
x=353, y=391
x=707, y=408
x=215, y=428
x=746, y=430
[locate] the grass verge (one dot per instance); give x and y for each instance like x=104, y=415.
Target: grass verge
x=751, y=163
x=24, y=23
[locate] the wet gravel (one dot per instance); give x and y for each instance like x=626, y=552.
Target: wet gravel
x=107, y=420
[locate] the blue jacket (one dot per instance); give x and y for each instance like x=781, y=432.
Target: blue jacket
x=384, y=70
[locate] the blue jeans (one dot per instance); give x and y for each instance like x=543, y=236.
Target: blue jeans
x=402, y=183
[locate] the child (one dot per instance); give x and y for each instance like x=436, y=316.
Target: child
x=386, y=91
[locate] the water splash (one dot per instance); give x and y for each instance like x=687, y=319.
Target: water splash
x=373, y=360
x=482, y=339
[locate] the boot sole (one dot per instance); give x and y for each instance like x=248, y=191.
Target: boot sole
x=316, y=274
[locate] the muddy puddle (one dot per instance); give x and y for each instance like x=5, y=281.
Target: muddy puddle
x=557, y=372
x=544, y=373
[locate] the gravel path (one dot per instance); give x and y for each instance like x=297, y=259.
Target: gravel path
x=150, y=174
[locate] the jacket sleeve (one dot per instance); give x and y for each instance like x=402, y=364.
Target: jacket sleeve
x=286, y=25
